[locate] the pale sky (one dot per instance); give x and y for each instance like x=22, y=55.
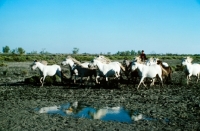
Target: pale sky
x=95, y=26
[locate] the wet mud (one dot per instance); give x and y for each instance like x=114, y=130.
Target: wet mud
x=176, y=106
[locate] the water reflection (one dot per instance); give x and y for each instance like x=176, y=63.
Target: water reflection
x=117, y=114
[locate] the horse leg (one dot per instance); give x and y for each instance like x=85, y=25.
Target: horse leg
x=81, y=80
x=74, y=79
x=141, y=81
x=59, y=73
x=161, y=80
x=197, y=77
x=106, y=79
x=107, y=82
x=188, y=78
x=89, y=78
x=76, y=75
x=41, y=81
x=97, y=80
x=116, y=75
x=153, y=81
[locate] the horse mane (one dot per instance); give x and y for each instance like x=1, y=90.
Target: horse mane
x=156, y=59
x=44, y=62
x=74, y=60
x=189, y=59
x=102, y=59
x=151, y=59
x=138, y=59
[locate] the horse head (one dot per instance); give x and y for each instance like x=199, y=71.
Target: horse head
x=150, y=61
x=34, y=65
x=189, y=59
x=186, y=60
x=126, y=63
x=92, y=64
x=102, y=59
x=137, y=59
x=65, y=62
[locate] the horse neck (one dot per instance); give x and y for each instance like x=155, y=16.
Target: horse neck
x=188, y=65
x=141, y=66
x=71, y=63
x=99, y=65
x=128, y=65
x=40, y=66
x=75, y=61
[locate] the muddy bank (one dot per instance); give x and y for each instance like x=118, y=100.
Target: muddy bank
x=174, y=107
x=180, y=105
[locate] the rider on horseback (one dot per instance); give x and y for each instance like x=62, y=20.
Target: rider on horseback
x=143, y=56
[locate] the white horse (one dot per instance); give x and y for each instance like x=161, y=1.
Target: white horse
x=146, y=71
x=79, y=69
x=152, y=61
x=165, y=64
x=46, y=70
x=106, y=69
x=166, y=69
x=191, y=69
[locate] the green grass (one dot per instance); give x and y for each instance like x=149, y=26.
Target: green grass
x=55, y=58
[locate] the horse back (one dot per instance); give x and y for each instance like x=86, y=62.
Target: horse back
x=152, y=70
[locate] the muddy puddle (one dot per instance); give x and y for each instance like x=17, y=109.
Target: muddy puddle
x=116, y=114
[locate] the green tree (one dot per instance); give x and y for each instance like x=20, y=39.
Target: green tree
x=139, y=52
x=20, y=51
x=127, y=53
x=6, y=49
x=75, y=51
x=108, y=53
x=118, y=53
x=14, y=51
x=133, y=52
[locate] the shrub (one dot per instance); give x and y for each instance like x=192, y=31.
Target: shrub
x=24, y=72
x=3, y=64
x=179, y=68
x=32, y=80
x=19, y=58
x=5, y=72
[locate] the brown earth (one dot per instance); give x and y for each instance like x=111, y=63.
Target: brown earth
x=177, y=102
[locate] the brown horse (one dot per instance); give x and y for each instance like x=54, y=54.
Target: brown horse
x=128, y=71
x=166, y=72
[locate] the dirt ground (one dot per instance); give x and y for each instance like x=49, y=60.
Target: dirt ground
x=176, y=106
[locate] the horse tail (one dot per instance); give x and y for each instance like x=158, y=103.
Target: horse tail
x=59, y=68
x=59, y=71
x=163, y=70
x=170, y=73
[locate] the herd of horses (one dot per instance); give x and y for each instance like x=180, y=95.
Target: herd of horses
x=101, y=66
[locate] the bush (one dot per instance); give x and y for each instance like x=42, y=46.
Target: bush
x=32, y=80
x=5, y=72
x=179, y=68
x=3, y=64
x=19, y=58
x=49, y=80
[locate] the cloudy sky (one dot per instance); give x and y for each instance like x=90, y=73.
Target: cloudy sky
x=95, y=26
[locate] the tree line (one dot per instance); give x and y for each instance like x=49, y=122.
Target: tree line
x=21, y=51
x=18, y=50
